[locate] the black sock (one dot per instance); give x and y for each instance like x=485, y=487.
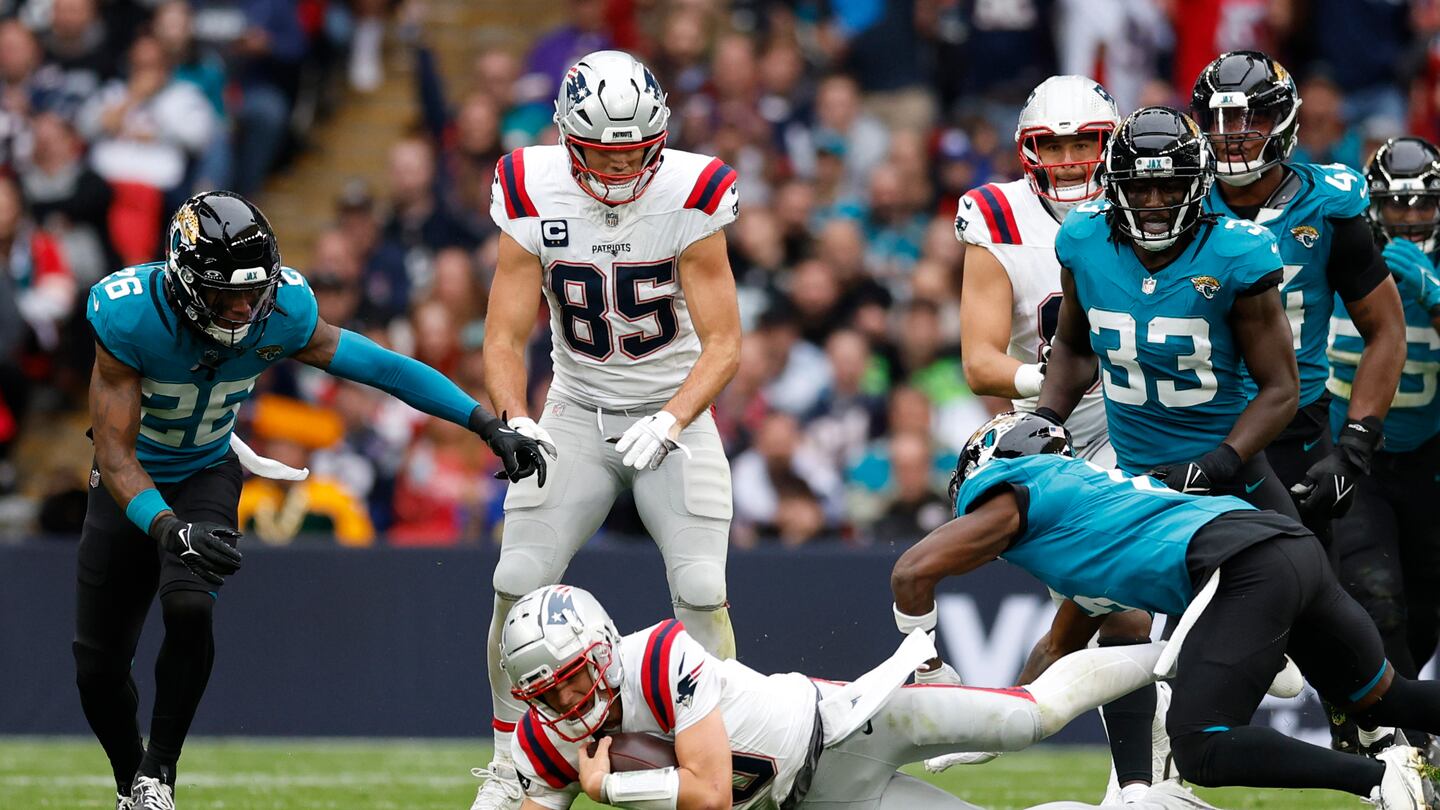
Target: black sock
x=110, y=699
x=1128, y=721
x=1407, y=703
x=1251, y=756
x=181, y=673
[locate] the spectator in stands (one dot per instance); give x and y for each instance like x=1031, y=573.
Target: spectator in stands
x=930, y=362
x=80, y=56
x=1324, y=136
x=444, y=488
x=802, y=373
x=386, y=283
x=467, y=165
x=786, y=92
x=335, y=276
x=780, y=473
x=554, y=52
x=741, y=407
x=894, y=227
x=1365, y=46
x=838, y=115
x=146, y=128
x=497, y=74
x=268, y=53
x=849, y=416
x=19, y=58
x=33, y=263
x=456, y=287
x=419, y=225
x=915, y=506
x=174, y=28
x=834, y=199
x=815, y=297
x=880, y=45
x=679, y=62
x=69, y=199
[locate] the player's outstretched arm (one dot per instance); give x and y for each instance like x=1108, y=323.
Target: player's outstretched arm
x=958, y=547
x=207, y=549
x=1263, y=332
x=356, y=357
x=985, y=303
x=509, y=321
x=701, y=782
x=709, y=287
x=1379, y=317
x=1071, y=368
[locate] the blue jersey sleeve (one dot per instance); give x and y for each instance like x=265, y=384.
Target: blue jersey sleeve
x=110, y=310
x=297, y=311
x=980, y=485
x=1344, y=191
x=1251, y=250
x=1078, y=224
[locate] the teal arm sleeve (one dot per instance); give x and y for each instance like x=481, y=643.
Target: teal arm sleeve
x=421, y=387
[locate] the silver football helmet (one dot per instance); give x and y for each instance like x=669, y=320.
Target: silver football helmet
x=551, y=635
x=1057, y=107
x=609, y=101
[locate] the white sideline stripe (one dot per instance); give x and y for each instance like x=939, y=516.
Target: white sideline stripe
x=254, y=781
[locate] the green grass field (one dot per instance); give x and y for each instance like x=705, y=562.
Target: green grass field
x=246, y=774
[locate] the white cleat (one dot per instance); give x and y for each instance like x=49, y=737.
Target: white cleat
x=1407, y=783
x=123, y=802
x=150, y=793
x=501, y=789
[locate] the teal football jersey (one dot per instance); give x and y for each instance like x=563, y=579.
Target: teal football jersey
x=1301, y=228
x=1414, y=415
x=1096, y=536
x=1169, y=360
x=187, y=412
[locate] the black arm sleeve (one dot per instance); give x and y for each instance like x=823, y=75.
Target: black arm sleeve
x=1355, y=266
x=1271, y=279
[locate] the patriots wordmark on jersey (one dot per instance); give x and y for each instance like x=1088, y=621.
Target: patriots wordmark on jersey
x=1010, y=221
x=620, y=323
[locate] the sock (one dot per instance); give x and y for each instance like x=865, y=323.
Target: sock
x=1133, y=794
x=1369, y=738
x=181, y=673
x=507, y=710
x=711, y=628
x=1251, y=756
x=502, y=747
x=1127, y=723
x=1406, y=703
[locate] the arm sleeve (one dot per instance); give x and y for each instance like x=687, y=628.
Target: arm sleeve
x=536, y=788
x=991, y=480
x=421, y=387
x=712, y=205
x=98, y=314
x=1355, y=266
x=1271, y=279
x=970, y=225
x=525, y=230
x=696, y=684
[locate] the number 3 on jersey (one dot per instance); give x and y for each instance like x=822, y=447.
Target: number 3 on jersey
x=1132, y=389
x=585, y=302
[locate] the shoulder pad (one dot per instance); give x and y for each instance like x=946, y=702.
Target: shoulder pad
x=1083, y=222
x=1241, y=237
x=510, y=175
x=994, y=210
x=655, y=673
x=710, y=186
x=1344, y=190
x=120, y=303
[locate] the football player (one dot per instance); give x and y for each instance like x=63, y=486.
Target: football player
x=1247, y=586
x=179, y=345
x=1171, y=301
x=1247, y=105
x=1390, y=541
x=1009, y=307
x=747, y=740
x=625, y=240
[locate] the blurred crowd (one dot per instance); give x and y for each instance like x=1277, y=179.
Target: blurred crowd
x=854, y=125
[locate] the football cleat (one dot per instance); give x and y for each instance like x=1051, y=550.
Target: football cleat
x=1408, y=783
x=150, y=793
x=501, y=789
x=123, y=802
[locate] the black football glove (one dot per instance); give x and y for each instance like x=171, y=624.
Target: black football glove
x=519, y=454
x=1204, y=474
x=207, y=549
x=1328, y=489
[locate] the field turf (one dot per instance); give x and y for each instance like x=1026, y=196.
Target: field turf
x=249, y=774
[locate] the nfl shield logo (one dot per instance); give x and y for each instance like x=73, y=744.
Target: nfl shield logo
x=1148, y=285
x=611, y=219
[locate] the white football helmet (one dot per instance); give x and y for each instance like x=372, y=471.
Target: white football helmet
x=550, y=636
x=1059, y=106
x=610, y=101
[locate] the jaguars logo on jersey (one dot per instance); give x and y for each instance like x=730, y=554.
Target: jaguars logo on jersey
x=1305, y=235
x=1206, y=285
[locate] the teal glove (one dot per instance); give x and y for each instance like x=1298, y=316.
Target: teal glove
x=1414, y=273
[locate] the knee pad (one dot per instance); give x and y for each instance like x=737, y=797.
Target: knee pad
x=520, y=571
x=699, y=585
x=94, y=665
x=187, y=612
x=1192, y=753
x=1021, y=727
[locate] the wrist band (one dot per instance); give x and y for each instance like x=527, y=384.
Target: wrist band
x=1028, y=379
x=144, y=507
x=907, y=623
x=656, y=789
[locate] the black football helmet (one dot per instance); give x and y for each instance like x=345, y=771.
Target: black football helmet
x=1240, y=98
x=1404, y=179
x=1010, y=435
x=1157, y=147
x=222, y=265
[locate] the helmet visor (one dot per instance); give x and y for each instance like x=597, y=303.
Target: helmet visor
x=1239, y=136
x=235, y=307
x=1413, y=215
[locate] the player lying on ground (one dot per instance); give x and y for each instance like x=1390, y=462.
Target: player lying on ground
x=1250, y=586
x=179, y=346
x=744, y=739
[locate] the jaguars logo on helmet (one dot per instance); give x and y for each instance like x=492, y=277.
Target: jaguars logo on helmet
x=1242, y=98
x=1010, y=435
x=222, y=266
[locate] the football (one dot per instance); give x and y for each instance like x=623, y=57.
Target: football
x=639, y=752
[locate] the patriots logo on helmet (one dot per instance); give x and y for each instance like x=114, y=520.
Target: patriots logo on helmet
x=576, y=88
x=1206, y=285
x=1305, y=235
x=560, y=607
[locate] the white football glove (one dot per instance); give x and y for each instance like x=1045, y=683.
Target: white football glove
x=531, y=429
x=648, y=441
x=943, y=674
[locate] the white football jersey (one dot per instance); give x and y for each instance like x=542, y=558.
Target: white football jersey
x=1010, y=221
x=619, y=321
x=669, y=684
